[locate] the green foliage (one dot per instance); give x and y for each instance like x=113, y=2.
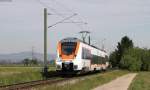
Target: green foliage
x=112, y=59
x=126, y=62
x=126, y=56
x=122, y=46
x=13, y=75
x=126, y=43
x=136, y=59
x=145, y=60
x=131, y=60
x=34, y=62
x=28, y=62
x=132, y=57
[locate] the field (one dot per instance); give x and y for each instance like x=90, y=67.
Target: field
x=89, y=83
x=141, y=82
x=12, y=75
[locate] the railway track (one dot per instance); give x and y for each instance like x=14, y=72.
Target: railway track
x=29, y=85
x=52, y=81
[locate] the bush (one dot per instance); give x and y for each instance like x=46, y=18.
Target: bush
x=131, y=60
x=145, y=61
x=112, y=59
x=130, y=63
x=126, y=62
x=126, y=56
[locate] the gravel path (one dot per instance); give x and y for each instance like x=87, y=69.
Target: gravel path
x=121, y=83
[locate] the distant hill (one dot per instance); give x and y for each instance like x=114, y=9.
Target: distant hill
x=17, y=57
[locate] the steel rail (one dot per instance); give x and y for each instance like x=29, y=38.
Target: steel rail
x=31, y=84
x=52, y=81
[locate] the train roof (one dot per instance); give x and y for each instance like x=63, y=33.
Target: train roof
x=73, y=39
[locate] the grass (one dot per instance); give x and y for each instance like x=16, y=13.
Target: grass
x=13, y=75
x=141, y=82
x=89, y=83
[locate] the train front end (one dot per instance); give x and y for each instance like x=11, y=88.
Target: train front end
x=68, y=56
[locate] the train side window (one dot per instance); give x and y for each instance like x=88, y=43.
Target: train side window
x=86, y=54
x=97, y=59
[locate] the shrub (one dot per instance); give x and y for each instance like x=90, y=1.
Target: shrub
x=131, y=60
x=112, y=59
x=146, y=61
x=126, y=56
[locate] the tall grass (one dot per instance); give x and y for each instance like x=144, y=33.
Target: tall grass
x=13, y=75
x=89, y=83
x=141, y=82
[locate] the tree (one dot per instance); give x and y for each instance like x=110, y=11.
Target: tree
x=126, y=56
x=26, y=62
x=112, y=59
x=122, y=46
x=145, y=60
x=126, y=43
x=126, y=62
x=131, y=59
x=30, y=62
x=34, y=62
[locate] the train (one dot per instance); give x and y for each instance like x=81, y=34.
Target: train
x=76, y=56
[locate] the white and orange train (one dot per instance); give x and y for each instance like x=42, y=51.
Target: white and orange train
x=74, y=55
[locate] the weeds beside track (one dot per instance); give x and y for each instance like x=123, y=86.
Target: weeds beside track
x=54, y=80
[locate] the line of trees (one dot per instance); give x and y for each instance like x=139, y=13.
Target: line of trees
x=29, y=62
x=129, y=57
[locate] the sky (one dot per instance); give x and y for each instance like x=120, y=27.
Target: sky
x=21, y=23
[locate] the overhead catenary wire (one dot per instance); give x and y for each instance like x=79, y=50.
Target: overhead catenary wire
x=62, y=5
x=61, y=15
x=66, y=8
x=64, y=15
x=62, y=20
x=79, y=18
x=50, y=8
x=69, y=10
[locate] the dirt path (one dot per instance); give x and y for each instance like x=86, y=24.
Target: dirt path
x=121, y=83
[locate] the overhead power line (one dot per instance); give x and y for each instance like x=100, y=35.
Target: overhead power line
x=62, y=5
x=55, y=12
x=62, y=20
x=50, y=8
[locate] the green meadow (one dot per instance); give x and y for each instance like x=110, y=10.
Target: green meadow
x=141, y=82
x=13, y=75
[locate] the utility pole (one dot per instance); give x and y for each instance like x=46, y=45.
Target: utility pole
x=45, y=41
x=45, y=36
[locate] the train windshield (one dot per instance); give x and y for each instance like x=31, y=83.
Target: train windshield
x=68, y=47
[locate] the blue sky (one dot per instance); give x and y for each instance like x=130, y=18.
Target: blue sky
x=21, y=23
